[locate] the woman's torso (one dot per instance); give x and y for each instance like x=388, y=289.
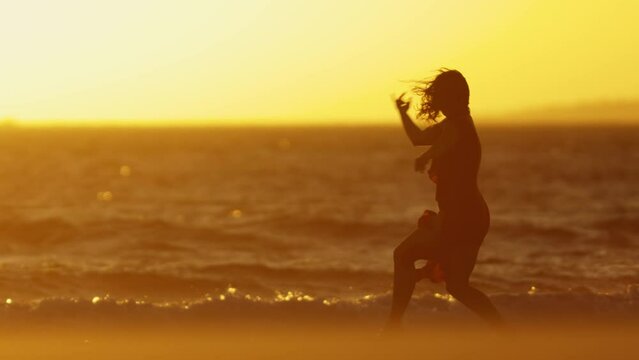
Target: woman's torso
x=457, y=169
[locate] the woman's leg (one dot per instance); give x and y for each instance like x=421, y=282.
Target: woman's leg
x=465, y=231
x=405, y=276
x=458, y=269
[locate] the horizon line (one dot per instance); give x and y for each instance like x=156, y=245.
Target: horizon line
x=265, y=123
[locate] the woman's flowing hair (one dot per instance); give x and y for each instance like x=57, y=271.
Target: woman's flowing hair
x=448, y=90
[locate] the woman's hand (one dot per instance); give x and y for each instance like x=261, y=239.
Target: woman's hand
x=420, y=163
x=402, y=105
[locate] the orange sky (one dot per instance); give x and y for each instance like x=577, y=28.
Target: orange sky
x=287, y=61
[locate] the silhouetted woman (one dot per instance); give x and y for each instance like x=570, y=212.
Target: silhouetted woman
x=464, y=216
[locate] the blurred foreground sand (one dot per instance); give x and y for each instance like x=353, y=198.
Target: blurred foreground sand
x=539, y=341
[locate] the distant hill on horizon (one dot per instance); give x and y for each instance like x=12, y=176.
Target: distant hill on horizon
x=619, y=110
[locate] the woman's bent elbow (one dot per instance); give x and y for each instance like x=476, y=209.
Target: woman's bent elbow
x=415, y=140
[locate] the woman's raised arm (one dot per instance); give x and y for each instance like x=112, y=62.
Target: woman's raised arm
x=416, y=135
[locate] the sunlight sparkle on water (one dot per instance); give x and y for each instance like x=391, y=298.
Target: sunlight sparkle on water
x=9, y=301
x=104, y=196
x=365, y=298
x=125, y=171
x=231, y=290
x=532, y=290
x=292, y=295
x=283, y=297
x=96, y=299
x=331, y=301
x=446, y=297
x=254, y=298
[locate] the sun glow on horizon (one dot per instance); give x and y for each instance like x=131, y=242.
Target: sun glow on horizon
x=291, y=62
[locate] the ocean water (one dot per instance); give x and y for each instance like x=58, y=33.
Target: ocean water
x=209, y=223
